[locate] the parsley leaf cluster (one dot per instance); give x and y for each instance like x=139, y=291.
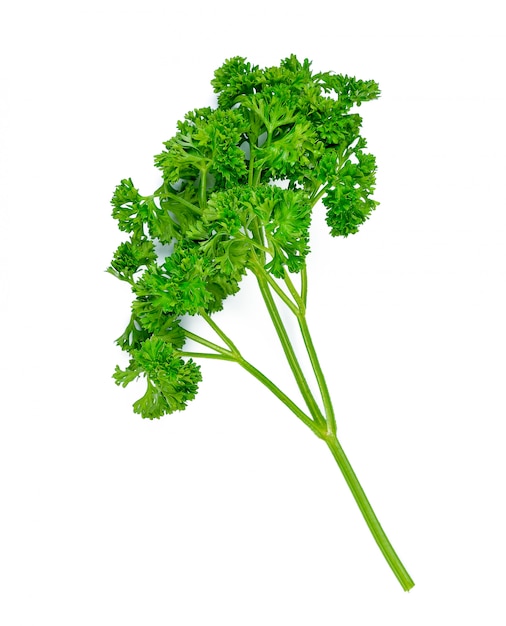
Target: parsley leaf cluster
x=239, y=185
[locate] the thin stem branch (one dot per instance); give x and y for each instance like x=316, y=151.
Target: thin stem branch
x=311, y=403
x=303, y=285
x=319, y=194
x=167, y=194
x=243, y=236
x=320, y=378
x=276, y=287
x=252, y=149
x=206, y=342
x=203, y=188
x=295, y=294
x=206, y=355
x=224, y=355
x=310, y=349
x=219, y=332
x=282, y=396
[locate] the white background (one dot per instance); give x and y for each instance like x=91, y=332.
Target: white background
x=233, y=513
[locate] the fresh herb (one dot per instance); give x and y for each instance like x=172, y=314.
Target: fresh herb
x=240, y=182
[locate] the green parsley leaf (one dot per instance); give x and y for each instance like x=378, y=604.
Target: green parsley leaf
x=171, y=381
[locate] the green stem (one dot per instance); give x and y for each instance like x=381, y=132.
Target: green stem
x=293, y=307
x=311, y=403
x=252, y=149
x=206, y=342
x=368, y=513
x=258, y=174
x=167, y=194
x=219, y=332
x=224, y=356
x=206, y=355
x=319, y=194
x=253, y=242
x=282, y=396
x=320, y=378
x=295, y=294
x=303, y=285
x=310, y=349
x=203, y=188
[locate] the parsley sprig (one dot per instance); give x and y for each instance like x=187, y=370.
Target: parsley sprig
x=239, y=184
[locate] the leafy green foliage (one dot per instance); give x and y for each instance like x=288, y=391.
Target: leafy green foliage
x=205, y=140
x=349, y=201
x=172, y=382
x=130, y=257
x=136, y=214
x=239, y=184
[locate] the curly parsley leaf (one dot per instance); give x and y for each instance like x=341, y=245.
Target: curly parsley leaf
x=171, y=381
x=130, y=257
x=349, y=201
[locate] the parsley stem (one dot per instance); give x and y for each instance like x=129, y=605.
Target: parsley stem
x=293, y=307
x=264, y=380
x=311, y=403
x=310, y=349
x=219, y=332
x=244, y=237
x=206, y=342
x=180, y=200
x=282, y=396
x=294, y=292
x=251, y=162
x=320, y=378
x=368, y=513
x=303, y=285
x=203, y=188
x=319, y=194
x=206, y=355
